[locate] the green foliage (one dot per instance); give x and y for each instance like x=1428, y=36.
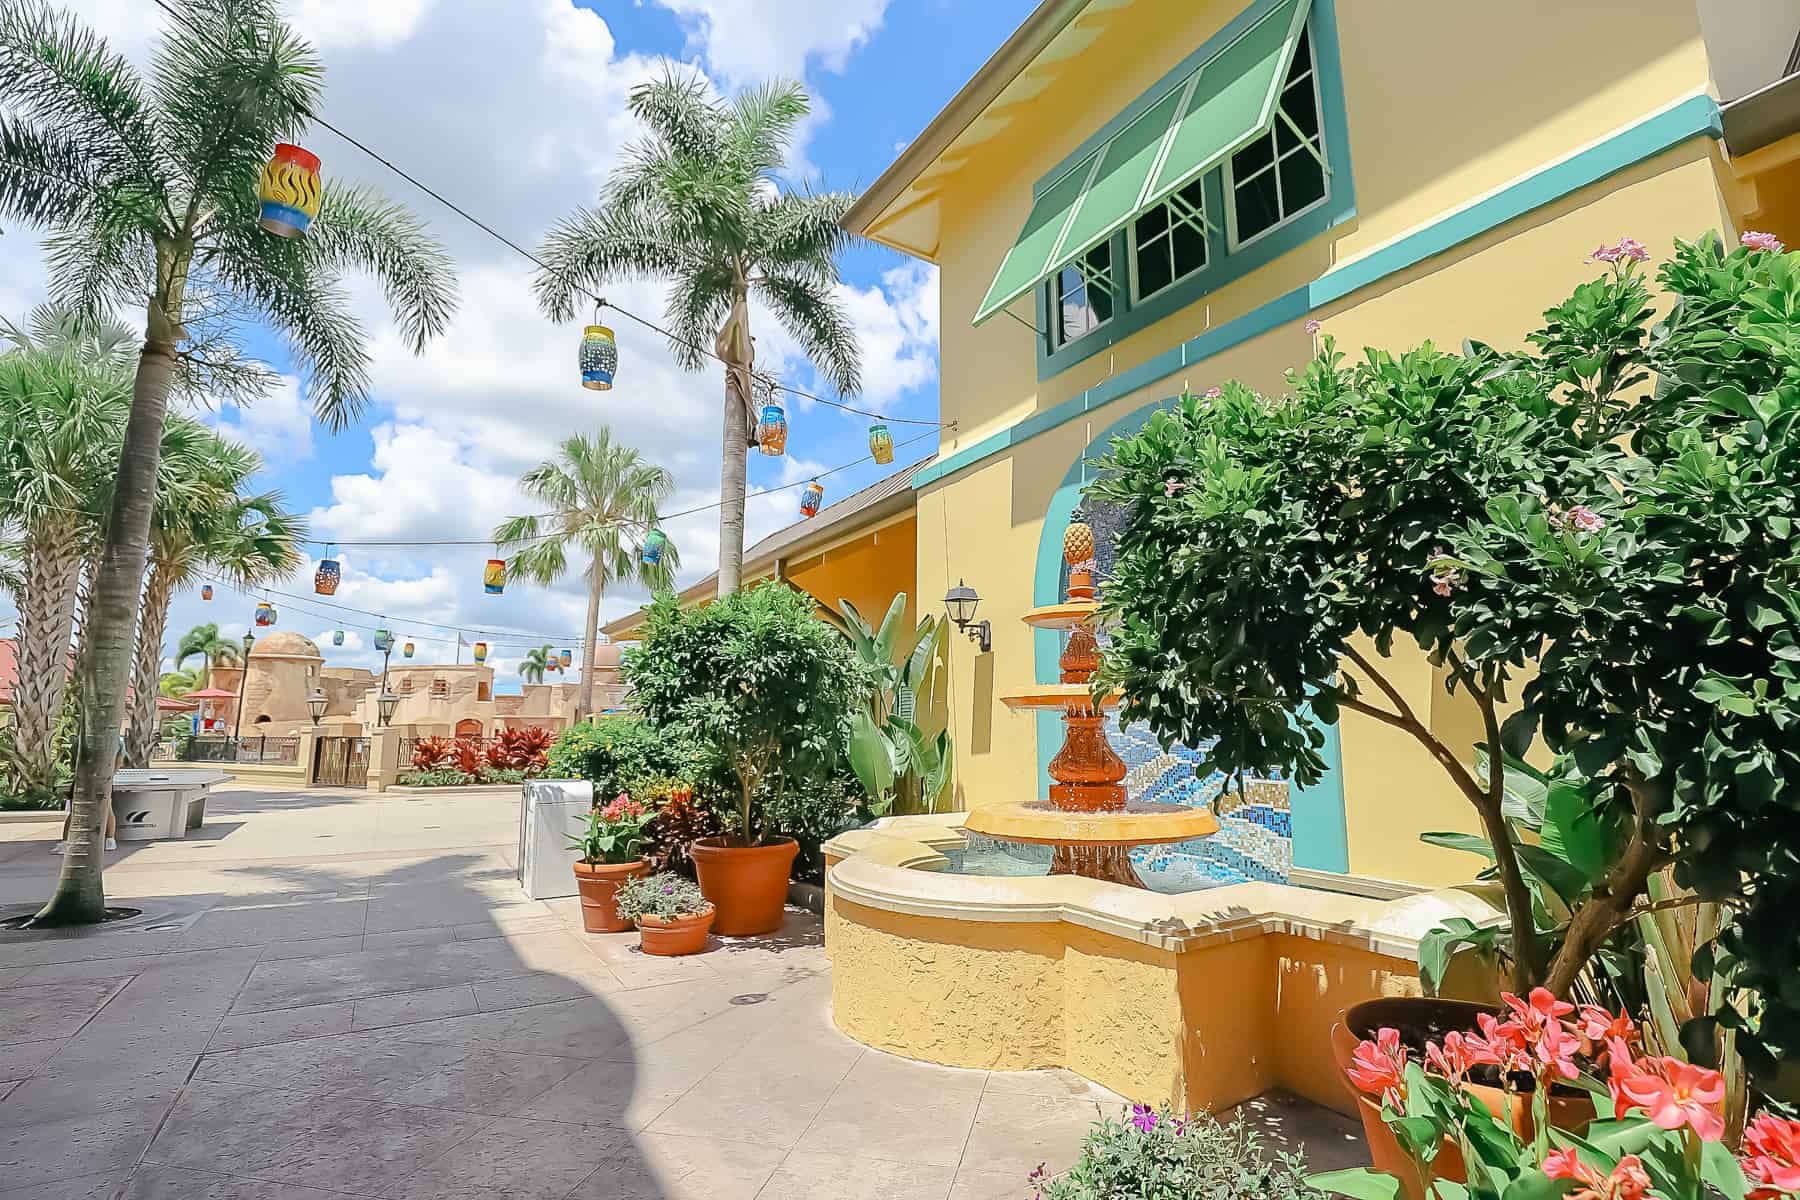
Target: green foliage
x=681, y=820
x=436, y=777
x=624, y=753
x=757, y=675
x=894, y=760
x=812, y=813
x=1157, y=1155
x=661, y=895
x=615, y=832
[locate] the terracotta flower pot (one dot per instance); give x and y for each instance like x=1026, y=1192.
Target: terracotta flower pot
x=675, y=935
x=598, y=884
x=1573, y=1111
x=746, y=884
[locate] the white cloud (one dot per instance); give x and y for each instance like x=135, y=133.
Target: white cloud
x=744, y=41
x=333, y=24
x=277, y=425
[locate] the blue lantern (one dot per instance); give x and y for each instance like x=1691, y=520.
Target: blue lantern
x=772, y=430
x=653, y=547
x=337, y=637
x=384, y=640
x=265, y=613
x=811, y=498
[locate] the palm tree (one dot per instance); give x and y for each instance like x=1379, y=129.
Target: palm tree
x=697, y=203
x=148, y=191
x=605, y=499
x=178, y=683
x=535, y=663
x=204, y=640
x=202, y=521
x=64, y=396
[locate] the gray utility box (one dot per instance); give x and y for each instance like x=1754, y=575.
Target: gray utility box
x=149, y=805
x=549, y=811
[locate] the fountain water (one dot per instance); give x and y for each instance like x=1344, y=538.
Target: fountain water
x=1087, y=819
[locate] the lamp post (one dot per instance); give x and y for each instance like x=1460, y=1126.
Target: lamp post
x=960, y=602
x=385, y=700
x=315, y=703
x=237, y=734
x=385, y=705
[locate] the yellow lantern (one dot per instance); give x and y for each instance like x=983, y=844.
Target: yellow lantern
x=289, y=191
x=494, y=578
x=480, y=652
x=881, y=444
x=599, y=358
x=407, y=650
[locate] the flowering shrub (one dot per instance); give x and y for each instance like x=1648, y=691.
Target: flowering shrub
x=662, y=895
x=1659, y=1127
x=466, y=755
x=429, y=752
x=614, y=832
x=520, y=749
x=681, y=820
x=1154, y=1153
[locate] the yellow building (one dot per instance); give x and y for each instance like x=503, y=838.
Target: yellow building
x=1139, y=197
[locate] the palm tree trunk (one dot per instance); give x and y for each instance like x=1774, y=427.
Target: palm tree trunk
x=46, y=622
x=584, y=703
x=79, y=897
x=153, y=620
x=734, y=346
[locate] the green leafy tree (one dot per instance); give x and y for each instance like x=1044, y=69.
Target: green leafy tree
x=536, y=662
x=65, y=389
x=178, y=683
x=213, y=650
x=758, y=675
x=147, y=187
x=698, y=202
x=895, y=761
x=603, y=498
x=203, y=522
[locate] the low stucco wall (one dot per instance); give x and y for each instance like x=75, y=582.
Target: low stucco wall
x=1201, y=1001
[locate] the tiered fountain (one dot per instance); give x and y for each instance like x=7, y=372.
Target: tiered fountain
x=1087, y=819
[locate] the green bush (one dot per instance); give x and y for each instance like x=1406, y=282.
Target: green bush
x=761, y=678
x=441, y=777
x=812, y=814
x=1155, y=1155
x=620, y=753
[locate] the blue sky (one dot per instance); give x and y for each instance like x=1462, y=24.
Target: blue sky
x=515, y=108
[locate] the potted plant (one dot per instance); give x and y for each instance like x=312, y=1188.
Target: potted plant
x=610, y=849
x=673, y=915
x=759, y=676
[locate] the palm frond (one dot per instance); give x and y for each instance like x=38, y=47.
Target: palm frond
x=47, y=177
x=100, y=263
x=699, y=302
x=816, y=318
x=597, y=246
x=679, y=110
x=358, y=228
x=764, y=118
x=800, y=234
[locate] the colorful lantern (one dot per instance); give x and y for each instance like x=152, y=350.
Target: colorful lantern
x=599, y=358
x=566, y=657
x=406, y=651
x=771, y=430
x=289, y=191
x=494, y=578
x=265, y=613
x=327, y=577
x=811, y=498
x=653, y=547
x=881, y=444
x=384, y=640
x=480, y=652
x=206, y=591
x=337, y=637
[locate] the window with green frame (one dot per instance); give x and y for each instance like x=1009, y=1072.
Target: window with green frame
x=1085, y=290
x=1168, y=243
x=1283, y=173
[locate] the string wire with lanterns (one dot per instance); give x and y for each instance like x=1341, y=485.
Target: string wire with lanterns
x=293, y=601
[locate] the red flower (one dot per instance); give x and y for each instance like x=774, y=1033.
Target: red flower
x=1628, y=1181
x=1557, y=1048
x=1601, y=1027
x=1379, y=1067
x=1672, y=1093
x=1772, y=1156
x=1500, y=1044
x=1454, y=1058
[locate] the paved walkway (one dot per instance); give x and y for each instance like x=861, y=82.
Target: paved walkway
x=335, y=995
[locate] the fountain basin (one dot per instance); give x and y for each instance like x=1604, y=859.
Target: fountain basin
x=1137, y=824
x=1200, y=999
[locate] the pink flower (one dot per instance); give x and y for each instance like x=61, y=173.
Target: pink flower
x=1603, y=1028
x=1379, y=1067
x=1445, y=584
x=1214, y=392
x=1565, y=1164
x=1171, y=486
x=1500, y=1044
x=1452, y=1059
x=1313, y=326
x=1772, y=1156
x=1628, y=1180
x=1625, y=250
x=1582, y=519
x=1673, y=1094
x=1762, y=241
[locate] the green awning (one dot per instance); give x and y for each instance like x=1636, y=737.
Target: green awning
x=1228, y=100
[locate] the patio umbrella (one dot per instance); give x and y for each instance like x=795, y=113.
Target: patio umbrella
x=167, y=704
x=210, y=693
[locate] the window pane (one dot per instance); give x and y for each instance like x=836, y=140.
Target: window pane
x=1302, y=55
x=1302, y=181
x=1189, y=246
x=1152, y=223
x=1153, y=269
x=1300, y=103
x=1100, y=295
x=1194, y=194
x=1252, y=158
x=1258, y=206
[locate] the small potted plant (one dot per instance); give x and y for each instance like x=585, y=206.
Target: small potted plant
x=610, y=848
x=673, y=915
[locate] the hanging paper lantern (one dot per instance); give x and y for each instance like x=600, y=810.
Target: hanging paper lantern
x=384, y=640
x=406, y=650
x=326, y=578
x=881, y=444
x=771, y=430
x=494, y=578
x=480, y=652
x=265, y=613
x=599, y=358
x=653, y=547
x=566, y=657
x=289, y=191
x=337, y=637
x=206, y=591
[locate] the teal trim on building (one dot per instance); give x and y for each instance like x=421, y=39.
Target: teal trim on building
x=1320, y=836
x=1223, y=265
x=1697, y=116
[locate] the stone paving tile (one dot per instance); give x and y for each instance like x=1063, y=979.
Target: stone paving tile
x=367, y=1152
x=348, y=943
x=497, y=1082
x=672, y=1167
x=545, y=987
x=853, y=1177
x=147, y=1077
x=1056, y=1082
x=870, y=1125
x=516, y=1159
x=354, y=1066
x=1015, y=1133
x=12, y=975
x=83, y=1187
x=294, y=982
x=282, y=1025
x=19, y=1059
x=979, y=1183
x=55, y=1010
x=181, y=1183
x=400, y=1008
x=431, y=935
x=94, y=1143
x=225, y=1127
